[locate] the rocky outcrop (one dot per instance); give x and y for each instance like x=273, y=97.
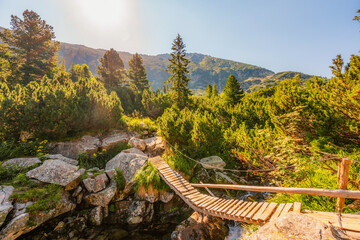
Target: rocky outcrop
x=140, y=212
x=129, y=163
x=57, y=172
x=135, y=151
x=5, y=204
x=197, y=227
x=213, y=162
x=62, y=158
x=154, y=146
x=96, y=184
x=294, y=226
x=103, y=197
x=86, y=144
x=114, y=139
x=137, y=143
x=22, y=162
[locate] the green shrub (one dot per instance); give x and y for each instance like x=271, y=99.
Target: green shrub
x=13, y=149
x=148, y=177
x=119, y=179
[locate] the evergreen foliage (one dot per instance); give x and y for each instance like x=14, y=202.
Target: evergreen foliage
x=209, y=91
x=29, y=47
x=232, y=92
x=179, y=91
x=137, y=74
x=215, y=91
x=111, y=69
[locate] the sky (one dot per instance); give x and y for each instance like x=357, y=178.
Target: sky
x=280, y=35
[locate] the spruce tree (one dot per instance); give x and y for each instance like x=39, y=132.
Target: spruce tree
x=137, y=74
x=111, y=69
x=232, y=91
x=179, y=91
x=215, y=91
x=209, y=91
x=31, y=43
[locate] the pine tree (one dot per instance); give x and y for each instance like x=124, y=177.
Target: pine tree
x=137, y=74
x=31, y=41
x=209, y=91
x=111, y=69
x=179, y=91
x=215, y=91
x=232, y=91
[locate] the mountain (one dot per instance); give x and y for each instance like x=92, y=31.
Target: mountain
x=203, y=69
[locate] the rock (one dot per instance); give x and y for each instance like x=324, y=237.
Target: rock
x=222, y=178
x=77, y=191
x=96, y=216
x=110, y=173
x=129, y=163
x=20, y=208
x=86, y=144
x=5, y=204
x=197, y=227
x=137, y=143
x=115, y=139
x=140, y=211
x=16, y=227
x=21, y=162
x=293, y=226
x=103, y=197
x=134, y=150
x=154, y=146
x=62, y=158
x=166, y=196
x=212, y=162
x=96, y=184
x=57, y=172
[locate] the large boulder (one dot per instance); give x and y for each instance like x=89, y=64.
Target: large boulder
x=57, y=172
x=129, y=163
x=96, y=184
x=134, y=150
x=62, y=158
x=212, y=162
x=86, y=144
x=154, y=146
x=294, y=226
x=21, y=162
x=197, y=227
x=140, y=212
x=115, y=139
x=5, y=204
x=103, y=197
x=137, y=143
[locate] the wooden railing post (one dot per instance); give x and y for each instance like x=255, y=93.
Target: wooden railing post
x=343, y=177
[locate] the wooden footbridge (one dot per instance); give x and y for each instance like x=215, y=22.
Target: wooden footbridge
x=246, y=211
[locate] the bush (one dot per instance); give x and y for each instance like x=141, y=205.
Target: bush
x=119, y=179
x=12, y=149
x=148, y=178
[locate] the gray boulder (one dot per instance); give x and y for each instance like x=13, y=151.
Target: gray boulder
x=5, y=204
x=62, y=158
x=86, y=144
x=114, y=139
x=212, y=162
x=57, y=172
x=129, y=163
x=137, y=143
x=21, y=162
x=96, y=216
x=103, y=197
x=134, y=150
x=140, y=212
x=96, y=184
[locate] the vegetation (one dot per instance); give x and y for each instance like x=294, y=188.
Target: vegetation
x=148, y=181
x=119, y=179
x=111, y=69
x=232, y=91
x=137, y=74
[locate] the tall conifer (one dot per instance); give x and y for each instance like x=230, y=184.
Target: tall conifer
x=111, y=69
x=232, y=91
x=137, y=73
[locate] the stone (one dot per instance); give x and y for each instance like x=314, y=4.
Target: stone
x=197, y=227
x=21, y=162
x=57, y=172
x=16, y=227
x=166, y=196
x=129, y=163
x=115, y=139
x=63, y=158
x=223, y=178
x=77, y=191
x=153, y=143
x=96, y=216
x=134, y=150
x=87, y=144
x=140, y=212
x=137, y=143
x=96, y=184
x=20, y=208
x=110, y=173
x=212, y=162
x=5, y=204
x=294, y=226
x=103, y=197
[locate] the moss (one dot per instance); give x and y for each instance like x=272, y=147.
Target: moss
x=119, y=179
x=112, y=208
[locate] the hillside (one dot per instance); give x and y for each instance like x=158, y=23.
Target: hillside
x=203, y=69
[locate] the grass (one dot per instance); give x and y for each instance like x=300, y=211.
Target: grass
x=9, y=173
x=14, y=149
x=148, y=179
x=140, y=124
x=119, y=179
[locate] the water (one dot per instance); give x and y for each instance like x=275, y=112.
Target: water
x=235, y=231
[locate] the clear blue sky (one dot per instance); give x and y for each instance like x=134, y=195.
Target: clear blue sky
x=298, y=35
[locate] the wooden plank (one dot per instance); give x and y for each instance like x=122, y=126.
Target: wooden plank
x=204, y=205
x=226, y=205
x=261, y=210
x=277, y=212
x=297, y=207
x=244, y=213
x=343, y=181
x=200, y=200
x=218, y=206
x=190, y=192
x=286, y=209
x=221, y=200
x=209, y=199
x=230, y=206
x=241, y=210
x=255, y=209
x=347, y=224
x=268, y=211
x=236, y=207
